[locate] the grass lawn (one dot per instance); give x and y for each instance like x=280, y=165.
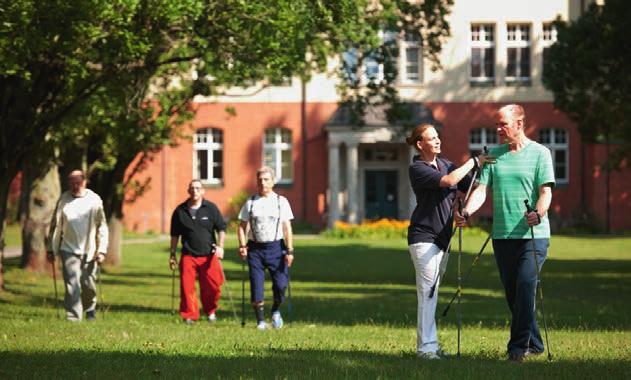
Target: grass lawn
x=354, y=315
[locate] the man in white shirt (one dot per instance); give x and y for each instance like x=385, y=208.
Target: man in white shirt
x=266, y=244
x=78, y=233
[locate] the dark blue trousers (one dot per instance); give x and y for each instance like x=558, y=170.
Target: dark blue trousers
x=270, y=256
x=518, y=274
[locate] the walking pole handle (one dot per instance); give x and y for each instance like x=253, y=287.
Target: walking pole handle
x=528, y=208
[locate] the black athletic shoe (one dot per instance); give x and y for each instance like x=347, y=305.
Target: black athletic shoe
x=90, y=315
x=516, y=358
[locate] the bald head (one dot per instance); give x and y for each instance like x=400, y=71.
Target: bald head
x=77, y=183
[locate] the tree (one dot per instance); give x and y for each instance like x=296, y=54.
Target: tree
x=587, y=69
x=61, y=56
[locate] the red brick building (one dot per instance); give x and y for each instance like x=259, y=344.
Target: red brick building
x=330, y=170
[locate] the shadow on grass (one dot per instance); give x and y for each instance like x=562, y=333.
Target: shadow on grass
x=350, y=284
x=288, y=363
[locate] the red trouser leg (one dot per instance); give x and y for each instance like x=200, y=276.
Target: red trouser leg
x=210, y=281
x=189, y=309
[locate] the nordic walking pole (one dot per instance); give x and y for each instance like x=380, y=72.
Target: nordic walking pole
x=243, y=293
x=172, y=290
x=466, y=277
x=289, y=305
x=466, y=198
x=52, y=265
x=99, y=289
x=534, y=254
x=459, y=291
x=234, y=311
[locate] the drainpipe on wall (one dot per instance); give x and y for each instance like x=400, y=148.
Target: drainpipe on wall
x=303, y=126
x=163, y=190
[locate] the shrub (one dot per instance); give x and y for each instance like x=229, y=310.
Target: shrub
x=375, y=229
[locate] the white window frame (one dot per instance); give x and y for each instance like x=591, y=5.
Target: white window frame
x=522, y=39
x=204, y=139
x=403, y=44
x=485, y=139
x=409, y=40
x=555, y=145
x=486, y=40
x=277, y=148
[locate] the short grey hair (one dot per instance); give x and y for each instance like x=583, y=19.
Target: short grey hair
x=514, y=111
x=266, y=169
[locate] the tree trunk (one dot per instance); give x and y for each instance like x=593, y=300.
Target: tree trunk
x=43, y=196
x=114, y=256
x=4, y=196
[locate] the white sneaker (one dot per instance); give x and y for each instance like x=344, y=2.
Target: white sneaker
x=262, y=325
x=277, y=320
x=212, y=318
x=428, y=355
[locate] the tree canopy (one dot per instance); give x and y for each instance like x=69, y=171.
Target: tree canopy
x=112, y=79
x=588, y=70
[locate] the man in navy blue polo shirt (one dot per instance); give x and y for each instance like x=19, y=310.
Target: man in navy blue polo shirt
x=196, y=220
x=435, y=182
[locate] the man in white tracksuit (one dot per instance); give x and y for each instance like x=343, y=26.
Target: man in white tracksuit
x=78, y=233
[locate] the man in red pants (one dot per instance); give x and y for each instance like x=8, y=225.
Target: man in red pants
x=196, y=221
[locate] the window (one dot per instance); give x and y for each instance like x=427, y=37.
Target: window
x=208, y=155
x=482, y=53
x=518, y=44
x=481, y=137
x=556, y=140
x=277, y=154
x=408, y=59
x=411, y=58
x=549, y=37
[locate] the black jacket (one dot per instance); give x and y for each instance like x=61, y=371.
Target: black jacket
x=198, y=235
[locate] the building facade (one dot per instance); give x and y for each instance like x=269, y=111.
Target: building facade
x=330, y=170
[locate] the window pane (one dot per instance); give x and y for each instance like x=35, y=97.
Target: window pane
x=476, y=62
x=475, y=136
x=511, y=32
x=488, y=31
x=560, y=136
x=270, y=136
x=544, y=136
x=286, y=164
x=489, y=64
x=491, y=136
x=475, y=32
x=217, y=156
x=372, y=67
x=560, y=158
x=412, y=66
x=202, y=164
x=268, y=158
x=511, y=65
x=525, y=33
x=525, y=63
x=218, y=172
x=285, y=136
x=217, y=136
x=200, y=136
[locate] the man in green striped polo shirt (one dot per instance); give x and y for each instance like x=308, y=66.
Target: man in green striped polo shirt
x=523, y=170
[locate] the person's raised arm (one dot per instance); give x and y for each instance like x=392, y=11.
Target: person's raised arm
x=457, y=175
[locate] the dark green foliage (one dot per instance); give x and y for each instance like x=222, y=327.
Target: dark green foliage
x=589, y=71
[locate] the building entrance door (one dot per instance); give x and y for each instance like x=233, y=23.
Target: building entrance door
x=381, y=189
